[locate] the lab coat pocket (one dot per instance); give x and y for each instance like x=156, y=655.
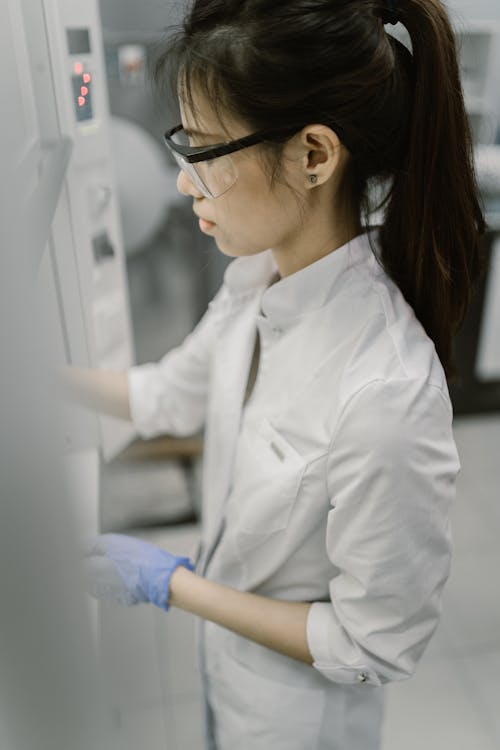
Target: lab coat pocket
x=267, y=481
x=254, y=712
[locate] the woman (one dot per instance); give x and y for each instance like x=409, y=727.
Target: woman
x=320, y=369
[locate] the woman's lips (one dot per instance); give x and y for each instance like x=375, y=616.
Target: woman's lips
x=205, y=225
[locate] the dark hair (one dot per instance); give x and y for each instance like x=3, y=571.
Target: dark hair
x=400, y=114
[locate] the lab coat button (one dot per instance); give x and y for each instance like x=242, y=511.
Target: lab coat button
x=277, y=331
x=362, y=677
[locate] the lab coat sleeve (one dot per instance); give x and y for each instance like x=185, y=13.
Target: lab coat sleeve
x=170, y=396
x=391, y=474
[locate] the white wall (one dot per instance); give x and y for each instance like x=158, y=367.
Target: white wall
x=154, y=15
x=475, y=10
x=141, y=16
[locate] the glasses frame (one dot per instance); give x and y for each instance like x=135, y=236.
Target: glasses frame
x=195, y=154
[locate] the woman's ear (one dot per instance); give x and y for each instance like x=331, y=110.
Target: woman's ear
x=321, y=149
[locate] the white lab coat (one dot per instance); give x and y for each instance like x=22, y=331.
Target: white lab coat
x=333, y=486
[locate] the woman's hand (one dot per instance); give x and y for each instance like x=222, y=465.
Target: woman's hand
x=127, y=570
x=104, y=391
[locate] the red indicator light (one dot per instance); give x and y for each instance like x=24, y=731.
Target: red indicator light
x=87, y=77
x=81, y=101
x=84, y=91
x=78, y=68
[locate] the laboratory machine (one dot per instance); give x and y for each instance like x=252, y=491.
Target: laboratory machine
x=76, y=237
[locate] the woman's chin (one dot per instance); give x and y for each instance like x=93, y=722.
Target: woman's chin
x=232, y=251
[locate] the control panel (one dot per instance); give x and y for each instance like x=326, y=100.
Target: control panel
x=79, y=46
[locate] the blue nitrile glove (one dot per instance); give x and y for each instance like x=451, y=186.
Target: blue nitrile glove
x=127, y=570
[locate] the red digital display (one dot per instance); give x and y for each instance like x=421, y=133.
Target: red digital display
x=82, y=97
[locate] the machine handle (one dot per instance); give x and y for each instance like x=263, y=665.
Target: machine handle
x=44, y=200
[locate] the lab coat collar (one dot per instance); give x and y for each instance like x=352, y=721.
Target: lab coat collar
x=249, y=273
x=304, y=291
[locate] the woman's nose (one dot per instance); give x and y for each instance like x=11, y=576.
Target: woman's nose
x=186, y=186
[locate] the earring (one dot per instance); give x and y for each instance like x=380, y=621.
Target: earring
x=313, y=178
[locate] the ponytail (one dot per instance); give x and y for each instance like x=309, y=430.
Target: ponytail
x=431, y=238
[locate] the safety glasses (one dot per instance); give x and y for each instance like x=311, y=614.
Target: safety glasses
x=211, y=168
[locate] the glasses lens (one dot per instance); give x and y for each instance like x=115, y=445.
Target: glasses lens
x=213, y=177
x=193, y=175
x=217, y=174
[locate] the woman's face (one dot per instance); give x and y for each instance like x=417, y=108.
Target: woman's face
x=251, y=216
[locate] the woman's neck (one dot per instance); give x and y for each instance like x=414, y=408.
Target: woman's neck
x=316, y=239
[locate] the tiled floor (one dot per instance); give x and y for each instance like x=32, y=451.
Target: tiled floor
x=451, y=703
